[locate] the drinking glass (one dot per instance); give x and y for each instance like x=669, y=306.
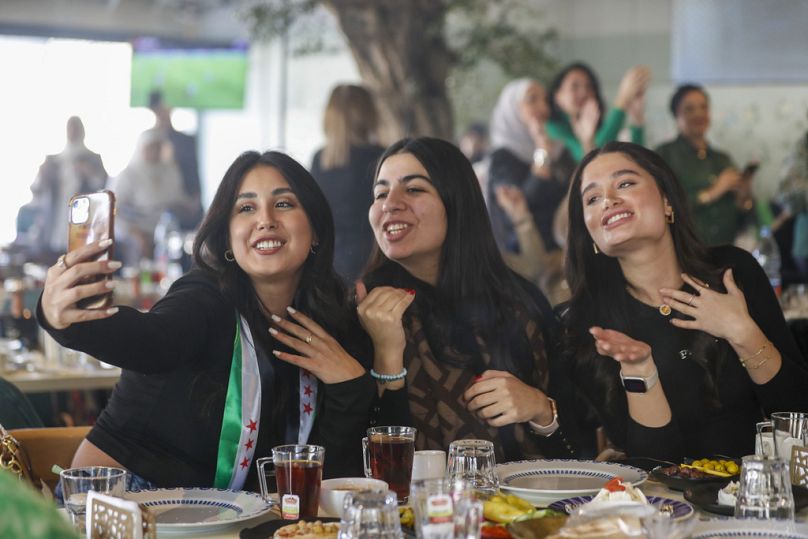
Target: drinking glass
x=474, y=461
x=388, y=454
x=298, y=471
x=765, y=489
x=77, y=482
x=429, y=464
x=445, y=509
x=790, y=429
x=369, y=514
x=764, y=439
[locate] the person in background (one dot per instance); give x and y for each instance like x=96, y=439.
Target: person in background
x=474, y=142
x=717, y=193
x=183, y=152
x=678, y=348
x=242, y=354
x=462, y=345
x=344, y=170
x=578, y=116
x=526, y=157
x=149, y=185
x=73, y=171
x=793, y=196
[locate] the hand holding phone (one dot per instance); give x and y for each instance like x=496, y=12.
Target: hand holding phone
x=91, y=218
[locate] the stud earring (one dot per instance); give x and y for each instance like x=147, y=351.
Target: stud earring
x=313, y=248
x=670, y=218
x=228, y=255
x=595, y=247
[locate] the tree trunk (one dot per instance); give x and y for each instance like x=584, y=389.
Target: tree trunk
x=403, y=59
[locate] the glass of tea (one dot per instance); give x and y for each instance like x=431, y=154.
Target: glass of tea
x=388, y=453
x=298, y=474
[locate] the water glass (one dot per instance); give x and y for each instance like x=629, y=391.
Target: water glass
x=298, y=474
x=790, y=429
x=764, y=439
x=77, y=482
x=445, y=509
x=429, y=464
x=474, y=461
x=388, y=454
x=369, y=514
x=765, y=489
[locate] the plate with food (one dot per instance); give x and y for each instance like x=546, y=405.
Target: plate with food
x=507, y=515
x=545, y=481
x=320, y=528
x=744, y=528
x=617, y=492
x=697, y=472
x=199, y=509
x=720, y=499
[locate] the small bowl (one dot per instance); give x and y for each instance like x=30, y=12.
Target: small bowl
x=333, y=491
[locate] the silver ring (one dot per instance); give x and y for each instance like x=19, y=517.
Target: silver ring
x=690, y=301
x=308, y=338
x=61, y=261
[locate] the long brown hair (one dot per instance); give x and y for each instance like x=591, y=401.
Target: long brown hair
x=350, y=120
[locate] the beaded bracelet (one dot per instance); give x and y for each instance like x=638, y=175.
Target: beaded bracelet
x=753, y=356
x=386, y=378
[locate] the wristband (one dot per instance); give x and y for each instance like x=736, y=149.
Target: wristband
x=386, y=378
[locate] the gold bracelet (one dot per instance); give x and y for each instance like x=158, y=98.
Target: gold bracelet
x=753, y=356
x=522, y=221
x=759, y=365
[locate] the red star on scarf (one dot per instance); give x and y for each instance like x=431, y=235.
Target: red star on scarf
x=307, y=391
x=249, y=443
x=253, y=426
x=244, y=463
x=307, y=408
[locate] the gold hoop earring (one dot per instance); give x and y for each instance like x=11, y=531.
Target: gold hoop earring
x=228, y=255
x=595, y=247
x=670, y=218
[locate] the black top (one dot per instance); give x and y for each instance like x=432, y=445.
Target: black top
x=349, y=190
x=164, y=418
x=699, y=429
x=543, y=194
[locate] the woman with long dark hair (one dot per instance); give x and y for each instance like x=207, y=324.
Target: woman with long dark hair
x=242, y=354
x=461, y=343
x=679, y=349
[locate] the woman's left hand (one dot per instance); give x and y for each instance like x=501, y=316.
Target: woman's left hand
x=500, y=398
x=721, y=315
x=319, y=352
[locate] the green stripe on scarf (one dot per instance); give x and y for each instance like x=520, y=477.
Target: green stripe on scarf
x=231, y=421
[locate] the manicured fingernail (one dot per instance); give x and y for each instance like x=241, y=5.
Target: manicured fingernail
x=105, y=243
x=276, y=318
x=291, y=309
x=110, y=284
x=478, y=378
x=410, y=291
x=276, y=353
x=112, y=310
x=114, y=264
x=273, y=331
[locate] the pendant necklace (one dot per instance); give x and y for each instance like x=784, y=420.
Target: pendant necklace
x=664, y=309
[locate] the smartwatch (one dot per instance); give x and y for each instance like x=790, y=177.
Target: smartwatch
x=539, y=157
x=639, y=384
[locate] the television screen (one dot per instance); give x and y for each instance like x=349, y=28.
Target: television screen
x=198, y=77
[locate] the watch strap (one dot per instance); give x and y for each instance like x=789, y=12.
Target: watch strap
x=647, y=382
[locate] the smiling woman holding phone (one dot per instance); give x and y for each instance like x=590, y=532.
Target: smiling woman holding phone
x=254, y=349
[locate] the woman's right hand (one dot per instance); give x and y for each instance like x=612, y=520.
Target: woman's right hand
x=634, y=83
x=586, y=124
x=381, y=312
x=63, y=288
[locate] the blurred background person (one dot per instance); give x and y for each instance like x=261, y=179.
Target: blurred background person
x=150, y=185
x=344, y=170
x=42, y=224
x=525, y=156
x=474, y=142
x=578, y=116
x=715, y=189
x=793, y=197
x=183, y=151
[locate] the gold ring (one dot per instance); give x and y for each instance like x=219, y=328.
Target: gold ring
x=308, y=338
x=61, y=261
x=690, y=301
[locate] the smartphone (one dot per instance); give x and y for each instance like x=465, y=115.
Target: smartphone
x=91, y=218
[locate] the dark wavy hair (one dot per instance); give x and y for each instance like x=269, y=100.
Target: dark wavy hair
x=680, y=94
x=473, y=276
x=598, y=286
x=558, y=115
x=320, y=294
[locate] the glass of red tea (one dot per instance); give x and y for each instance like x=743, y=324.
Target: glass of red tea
x=388, y=454
x=298, y=471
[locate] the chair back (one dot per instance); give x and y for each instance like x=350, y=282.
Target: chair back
x=48, y=446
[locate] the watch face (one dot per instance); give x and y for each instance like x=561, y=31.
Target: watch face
x=635, y=385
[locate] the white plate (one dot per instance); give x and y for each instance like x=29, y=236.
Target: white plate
x=199, y=509
x=545, y=481
x=738, y=529
x=678, y=510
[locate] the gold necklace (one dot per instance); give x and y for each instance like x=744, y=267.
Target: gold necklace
x=664, y=309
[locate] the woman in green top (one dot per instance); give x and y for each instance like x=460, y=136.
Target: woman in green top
x=717, y=193
x=577, y=113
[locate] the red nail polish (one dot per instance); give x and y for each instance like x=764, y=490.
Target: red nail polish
x=478, y=378
x=410, y=291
